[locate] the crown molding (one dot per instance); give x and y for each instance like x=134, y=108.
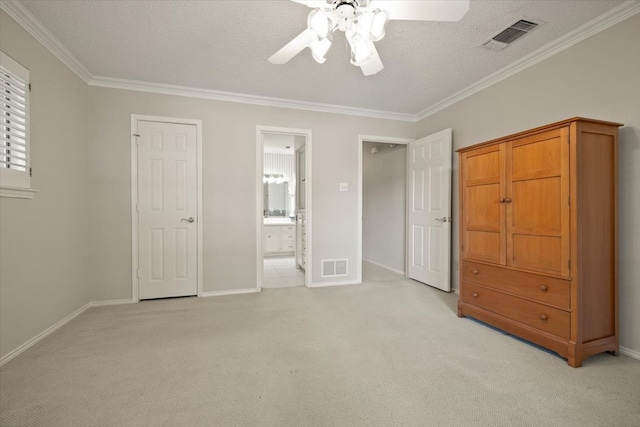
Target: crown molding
x=596, y=25
x=217, y=95
x=34, y=27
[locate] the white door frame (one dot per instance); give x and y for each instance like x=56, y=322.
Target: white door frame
x=385, y=140
x=260, y=199
x=134, y=195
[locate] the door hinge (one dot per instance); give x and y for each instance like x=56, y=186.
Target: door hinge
x=29, y=87
x=569, y=263
x=30, y=172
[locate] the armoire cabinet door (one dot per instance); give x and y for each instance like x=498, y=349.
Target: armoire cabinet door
x=483, y=217
x=537, y=202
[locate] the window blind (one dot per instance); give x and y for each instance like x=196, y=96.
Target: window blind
x=14, y=147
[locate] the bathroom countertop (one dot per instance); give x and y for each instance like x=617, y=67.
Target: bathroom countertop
x=278, y=221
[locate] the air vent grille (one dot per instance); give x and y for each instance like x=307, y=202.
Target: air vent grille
x=510, y=34
x=334, y=267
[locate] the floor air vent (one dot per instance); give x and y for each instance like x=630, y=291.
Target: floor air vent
x=510, y=34
x=334, y=267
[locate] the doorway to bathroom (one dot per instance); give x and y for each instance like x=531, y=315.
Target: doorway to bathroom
x=284, y=183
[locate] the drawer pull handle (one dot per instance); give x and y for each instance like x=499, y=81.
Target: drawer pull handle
x=475, y=295
x=475, y=272
x=502, y=200
x=543, y=317
x=543, y=288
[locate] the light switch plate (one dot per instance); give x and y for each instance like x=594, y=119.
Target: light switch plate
x=344, y=186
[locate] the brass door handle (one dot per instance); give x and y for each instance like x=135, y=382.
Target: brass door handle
x=190, y=219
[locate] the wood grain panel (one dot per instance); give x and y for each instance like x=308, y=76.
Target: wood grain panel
x=482, y=167
x=485, y=214
x=536, y=156
x=483, y=246
x=535, y=252
x=536, y=206
x=597, y=219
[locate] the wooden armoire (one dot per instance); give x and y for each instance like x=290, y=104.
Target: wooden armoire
x=538, y=236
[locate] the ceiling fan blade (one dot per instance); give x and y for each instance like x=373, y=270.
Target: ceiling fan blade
x=294, y=47
x=373, y=65
x=436, y=10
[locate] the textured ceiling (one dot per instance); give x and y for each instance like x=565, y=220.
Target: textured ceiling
x=224, y=45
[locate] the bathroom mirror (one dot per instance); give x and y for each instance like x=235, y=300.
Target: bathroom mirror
x=276, y=199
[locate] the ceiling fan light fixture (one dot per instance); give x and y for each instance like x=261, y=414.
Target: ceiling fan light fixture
x=319, y=23
x=319, y=49
x=378, y=22
x=346, y=9
x=363, y=22
x=361, y=50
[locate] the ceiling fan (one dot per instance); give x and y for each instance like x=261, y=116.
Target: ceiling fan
x=363, y=23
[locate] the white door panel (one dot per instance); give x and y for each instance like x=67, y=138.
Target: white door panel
x=167, y=200
x=430, y=210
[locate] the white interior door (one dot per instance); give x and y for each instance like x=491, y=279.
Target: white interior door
x=429, y=222
x=167, y=210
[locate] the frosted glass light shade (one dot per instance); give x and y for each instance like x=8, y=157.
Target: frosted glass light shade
x=360, y=50
x=319, y=49
x=379, y=20
x=319, y=23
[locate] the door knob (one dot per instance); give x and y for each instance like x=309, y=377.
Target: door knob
x=190, y=219
x=443, y=219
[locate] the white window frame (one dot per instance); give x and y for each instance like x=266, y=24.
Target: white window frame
x=15, y=183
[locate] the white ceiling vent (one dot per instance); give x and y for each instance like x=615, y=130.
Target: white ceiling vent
x=510, y=34
x=334, y=267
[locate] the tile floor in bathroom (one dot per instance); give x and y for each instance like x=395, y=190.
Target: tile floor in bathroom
x=281, y=272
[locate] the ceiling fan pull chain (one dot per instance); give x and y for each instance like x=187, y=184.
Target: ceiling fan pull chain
x=346, y=54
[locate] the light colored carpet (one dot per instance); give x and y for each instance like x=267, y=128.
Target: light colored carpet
x=390, y=352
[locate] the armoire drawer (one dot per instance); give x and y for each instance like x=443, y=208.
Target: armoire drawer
x=547, y=290
x=539, y=316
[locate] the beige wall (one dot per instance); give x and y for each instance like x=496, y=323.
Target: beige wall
x=384, y=177
x=597, y=78
x=229, y=184
x=43, y=242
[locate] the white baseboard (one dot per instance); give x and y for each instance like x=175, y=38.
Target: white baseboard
x=631, y=353
x=327, y=284
x=232, y=292
x=112, y=302
x=384, y=266
x=7, y=357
